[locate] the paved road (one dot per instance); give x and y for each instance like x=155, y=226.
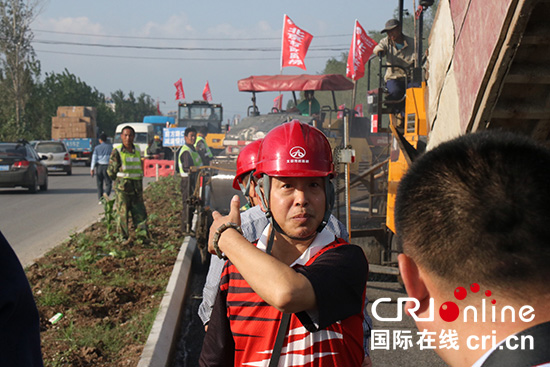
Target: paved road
x=35, y=223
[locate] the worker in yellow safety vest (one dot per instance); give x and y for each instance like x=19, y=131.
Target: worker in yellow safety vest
x=126, y=170
x=187, y=158
x=202, y=147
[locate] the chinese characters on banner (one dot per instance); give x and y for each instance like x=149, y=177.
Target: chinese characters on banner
x=359, y=52
x=179, y=90
x=278, y=102
x=206, y=93
x=295, y=44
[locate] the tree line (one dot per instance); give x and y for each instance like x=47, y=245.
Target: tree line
x=28, y=103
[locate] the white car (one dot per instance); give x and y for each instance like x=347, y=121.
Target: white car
x=55, y=156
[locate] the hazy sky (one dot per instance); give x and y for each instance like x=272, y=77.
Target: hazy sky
x=132, y=40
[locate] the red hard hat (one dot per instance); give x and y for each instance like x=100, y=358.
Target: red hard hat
x=246, y=161
x=295, y=149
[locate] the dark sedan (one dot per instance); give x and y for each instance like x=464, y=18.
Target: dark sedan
x=20, y=165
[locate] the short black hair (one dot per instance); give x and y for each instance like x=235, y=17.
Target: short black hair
x=128, y=127
x=189, y=130
x=103, y=137
x=477, y=210
x=203, y=130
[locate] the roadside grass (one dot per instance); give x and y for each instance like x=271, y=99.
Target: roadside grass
x=108, y=293
x=52, y=297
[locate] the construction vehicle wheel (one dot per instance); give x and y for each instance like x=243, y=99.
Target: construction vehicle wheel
x=204, y=221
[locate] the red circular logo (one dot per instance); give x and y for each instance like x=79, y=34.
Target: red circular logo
x=297, y=152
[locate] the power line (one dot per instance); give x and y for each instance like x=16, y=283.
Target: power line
x=179, y=38
x=173, y=48
x=174, y=58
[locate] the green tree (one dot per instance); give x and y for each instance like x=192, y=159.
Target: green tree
x=19, y=67
x=132, y=109
x=67, y=89
x=338, y=66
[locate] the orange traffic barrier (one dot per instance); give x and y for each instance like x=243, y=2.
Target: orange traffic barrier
x=165, y=167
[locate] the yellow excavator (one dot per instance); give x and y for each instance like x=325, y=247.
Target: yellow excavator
x=505, y=87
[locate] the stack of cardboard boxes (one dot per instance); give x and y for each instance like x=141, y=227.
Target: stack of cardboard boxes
x=74, y=122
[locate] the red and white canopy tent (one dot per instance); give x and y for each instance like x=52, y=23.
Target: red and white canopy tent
x=293, y=83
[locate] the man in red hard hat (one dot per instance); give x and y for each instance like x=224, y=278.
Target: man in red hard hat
x=253, y=222
x=244, y=180
x=296, y=295
x=252, y=217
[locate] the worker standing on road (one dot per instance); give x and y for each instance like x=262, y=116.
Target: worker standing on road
x=298, y=273
x=201, y=147
x=188, y=158
x=126, y=168
x=399, y=51
x=100, y=162
x=206, y=156
x=473, y=217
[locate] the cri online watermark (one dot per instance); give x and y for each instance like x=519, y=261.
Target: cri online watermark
x=449, y=312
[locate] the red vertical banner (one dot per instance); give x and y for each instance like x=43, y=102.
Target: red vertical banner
x=206, y=93
x=359, y=110
x=278, y=102
x=374, y=124
x=179, y=90
x=359, y=52
x=295, y=44
x=158, y=108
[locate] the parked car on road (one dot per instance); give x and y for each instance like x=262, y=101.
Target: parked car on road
x=55, y=155
x=20, y=165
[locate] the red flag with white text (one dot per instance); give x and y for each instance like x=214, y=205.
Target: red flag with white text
x=295, y=44
x=179, y=90
x=359, y=52
x=278, y=102
x=359, y=109
x=206, y=93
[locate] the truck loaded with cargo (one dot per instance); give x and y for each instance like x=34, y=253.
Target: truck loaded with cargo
x=76, y=126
